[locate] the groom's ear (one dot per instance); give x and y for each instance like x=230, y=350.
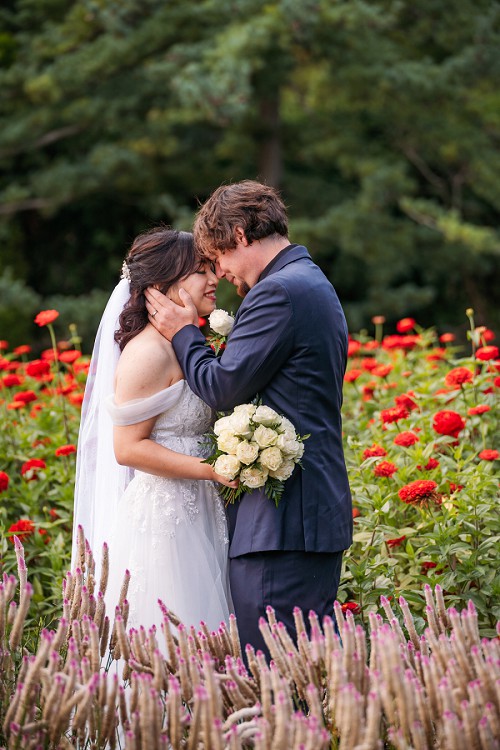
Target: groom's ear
x=240, y=237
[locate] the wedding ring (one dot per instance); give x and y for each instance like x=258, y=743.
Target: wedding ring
x=153, y=314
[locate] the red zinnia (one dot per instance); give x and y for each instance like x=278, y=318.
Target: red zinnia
x=369, y=363
x=447, y=338
x=428, y=566
x=448, y=422
x=65, y=450
x=406, y=439
x=432, y=463
x=356, y=512
x=486, y=353
x=26, y=396
x=353, y=347
x=4, y=481
x=421, y=490
x=45, y=317
x=385, y=469
x=23, y=349
x=480, y=409
x=3, y=345
x=489, y=455
x=70, y=356
x=395, y=542
x=405, y=325
x=351, y=607
x=352, y=375
x=28, y=469
x=37, y=367
x=393, y=414
x=23, y=528
x=381, y=371
x=9, y=381
x=458, y=376
x=375, y=450
x=406, y=400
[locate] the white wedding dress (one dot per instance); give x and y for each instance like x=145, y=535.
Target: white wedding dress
x=171, y=534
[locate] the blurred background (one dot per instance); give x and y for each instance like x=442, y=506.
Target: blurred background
x=378, y=120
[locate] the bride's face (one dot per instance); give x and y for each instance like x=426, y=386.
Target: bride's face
x=201, y=285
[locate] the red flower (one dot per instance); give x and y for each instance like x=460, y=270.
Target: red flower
x=480, y=409
x=23, y=349
x=41, y=441
x=369, y=363
x=447, y=338
x=458, y=376
x=353, y=347
x=486, y=353
x=23, y=528
x=37, y=367
x=485, y=333
x=489, y=455
x=400, y=342
x=65, y=450
x=9, y=381
x=375, y=450
x=45, y=317
x=385, y=469
x=70, y=356
x=427, y=566
x=4, y=481
x=406, y=439
x=28, y=469
x=3, y=345
x=351, y=607
x=448, y=422
x=76, y=398
x=48, y=355
x=54, y=514
x=45, y=534
x=393, y=414
x=356, y=512
x=352, y=375
x=16, y=405
x=202, y=322
x=455, y=487
x=378, y=320
x=419, y=491
x=436, y=355
x=406, y=400
x=405, y=325
x=26, y=396
x=432, y=463
x=395, y=542
x=381, y=371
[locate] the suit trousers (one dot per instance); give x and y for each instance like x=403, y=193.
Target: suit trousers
x=282, y=580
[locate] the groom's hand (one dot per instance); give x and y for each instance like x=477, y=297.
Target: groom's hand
x=167, y=317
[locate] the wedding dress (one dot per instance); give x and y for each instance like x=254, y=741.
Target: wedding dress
x=171, y=534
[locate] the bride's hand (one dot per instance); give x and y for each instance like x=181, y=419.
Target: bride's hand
x=223, y=480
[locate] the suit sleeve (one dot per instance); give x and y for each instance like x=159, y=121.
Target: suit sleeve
x=260, y=343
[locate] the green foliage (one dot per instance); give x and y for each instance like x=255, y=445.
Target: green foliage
x=18, y=306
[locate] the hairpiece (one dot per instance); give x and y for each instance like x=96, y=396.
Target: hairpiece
x=125, y=271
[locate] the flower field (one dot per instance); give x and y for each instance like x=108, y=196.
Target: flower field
x=421, y=442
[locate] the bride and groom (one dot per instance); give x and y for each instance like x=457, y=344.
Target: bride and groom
x=142, y=485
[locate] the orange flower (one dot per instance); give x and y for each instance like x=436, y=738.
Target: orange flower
x=489, y=455
x=45, y=317
x=352, y=375
x=381, y=371
x=447, y=338
x=23, y=349
x=480, y=409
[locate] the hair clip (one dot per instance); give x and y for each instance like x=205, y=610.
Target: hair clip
x=125, y=271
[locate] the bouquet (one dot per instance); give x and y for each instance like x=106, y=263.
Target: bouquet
x=257, y=446
x=221, y=324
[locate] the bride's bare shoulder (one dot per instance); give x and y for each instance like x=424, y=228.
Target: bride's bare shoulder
x=147, y=365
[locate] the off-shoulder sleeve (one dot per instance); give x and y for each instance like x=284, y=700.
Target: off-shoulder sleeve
x=140, y=409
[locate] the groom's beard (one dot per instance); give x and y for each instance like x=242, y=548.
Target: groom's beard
x=242, y=289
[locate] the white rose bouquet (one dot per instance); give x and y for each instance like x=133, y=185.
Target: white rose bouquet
x=257, y=446
x=221, y=324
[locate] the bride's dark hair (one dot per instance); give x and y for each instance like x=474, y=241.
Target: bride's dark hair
x=159, y=257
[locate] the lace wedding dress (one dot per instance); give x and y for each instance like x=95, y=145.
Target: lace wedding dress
x=170, y=534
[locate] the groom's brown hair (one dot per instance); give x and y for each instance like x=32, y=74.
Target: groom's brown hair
x=255, y=207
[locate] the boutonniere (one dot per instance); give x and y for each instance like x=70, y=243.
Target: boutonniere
x=221, y=324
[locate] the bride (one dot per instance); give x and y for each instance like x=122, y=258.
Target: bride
x=141, y=484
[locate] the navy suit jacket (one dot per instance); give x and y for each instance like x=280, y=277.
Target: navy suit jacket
x=289, y=345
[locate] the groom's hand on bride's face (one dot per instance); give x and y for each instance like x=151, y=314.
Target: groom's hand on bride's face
x=167, y=317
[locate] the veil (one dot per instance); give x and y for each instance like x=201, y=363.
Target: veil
x=100, y=480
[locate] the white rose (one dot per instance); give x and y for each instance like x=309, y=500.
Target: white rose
x=240, y=424
x=287, y=428
x=284, y=472
x=228, y=442
x=227, y=466
x=253, y=477
x=221, y=322
x=266, y=416
x=248, y=409
x=247, y=452
x=291, y=448
x=224, y=423
x=271, y=458
x=264, y=436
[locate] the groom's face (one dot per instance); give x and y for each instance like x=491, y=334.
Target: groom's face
x=238, y=266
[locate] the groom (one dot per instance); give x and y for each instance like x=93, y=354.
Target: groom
x=289, y=345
